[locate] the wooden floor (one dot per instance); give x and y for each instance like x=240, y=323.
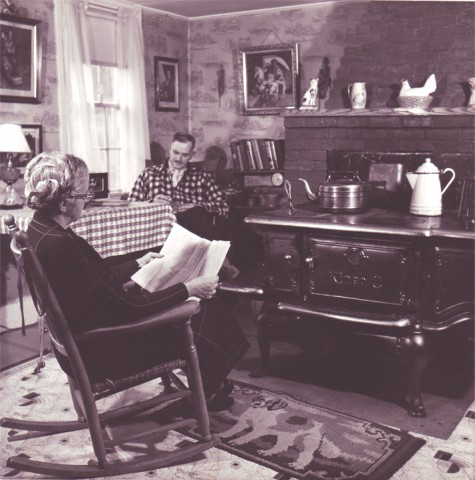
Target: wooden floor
x=16, y=348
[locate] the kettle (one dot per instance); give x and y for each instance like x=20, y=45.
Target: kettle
x=426, y=189
x=342, y=192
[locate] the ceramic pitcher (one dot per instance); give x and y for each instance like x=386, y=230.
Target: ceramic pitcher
x=357, y=94
x=471, y=83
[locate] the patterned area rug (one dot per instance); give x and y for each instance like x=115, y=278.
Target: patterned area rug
x=273, y=430
x=307, y=441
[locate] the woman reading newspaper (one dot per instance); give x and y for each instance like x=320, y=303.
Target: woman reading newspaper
x=91, y=294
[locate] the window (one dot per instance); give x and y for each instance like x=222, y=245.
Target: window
x=107, y=111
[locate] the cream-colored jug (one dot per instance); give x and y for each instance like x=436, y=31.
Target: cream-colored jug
x=357, y=94
x=426, y=189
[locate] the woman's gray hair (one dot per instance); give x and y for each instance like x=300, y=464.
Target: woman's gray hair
x=49, y=179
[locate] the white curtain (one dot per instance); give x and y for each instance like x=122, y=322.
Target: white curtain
x=135, y=143
x=75, y=83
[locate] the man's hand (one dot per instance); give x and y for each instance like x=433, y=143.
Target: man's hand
x=148, y=257
x=202, y=287
x=160, y=198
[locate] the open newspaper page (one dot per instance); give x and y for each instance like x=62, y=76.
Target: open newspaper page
x=185, y=256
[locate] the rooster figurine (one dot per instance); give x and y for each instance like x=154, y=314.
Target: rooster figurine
x=429, y=87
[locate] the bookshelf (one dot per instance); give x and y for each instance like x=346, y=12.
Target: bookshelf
x=254, y=155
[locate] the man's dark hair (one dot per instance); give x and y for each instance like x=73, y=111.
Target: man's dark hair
x=183, y=137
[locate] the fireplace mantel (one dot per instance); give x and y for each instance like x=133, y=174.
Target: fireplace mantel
x=372, y=112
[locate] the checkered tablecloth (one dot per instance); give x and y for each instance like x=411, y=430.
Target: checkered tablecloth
x=115, y=230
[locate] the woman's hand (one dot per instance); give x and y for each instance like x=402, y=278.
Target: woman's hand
x=202, y=287
x=148, y=257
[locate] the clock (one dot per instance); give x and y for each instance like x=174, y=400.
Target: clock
x=277, y=179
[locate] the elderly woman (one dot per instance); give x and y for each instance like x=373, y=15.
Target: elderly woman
x=91, y=294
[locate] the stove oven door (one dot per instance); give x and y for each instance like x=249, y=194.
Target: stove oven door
x=369, y=271
x=282, y=262
x=450, y=274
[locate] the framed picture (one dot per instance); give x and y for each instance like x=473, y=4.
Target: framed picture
x=100, y=183
x=268, y=79
x=166, y=84
x=20, y=46
x=33, y=135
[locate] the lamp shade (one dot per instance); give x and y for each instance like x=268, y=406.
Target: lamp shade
x=12, y=139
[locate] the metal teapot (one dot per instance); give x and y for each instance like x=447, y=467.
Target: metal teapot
x=342, y=192
x=426, y=189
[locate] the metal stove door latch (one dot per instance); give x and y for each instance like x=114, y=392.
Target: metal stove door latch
x=355, y=256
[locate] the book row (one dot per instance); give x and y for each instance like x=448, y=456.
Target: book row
x=254, y=154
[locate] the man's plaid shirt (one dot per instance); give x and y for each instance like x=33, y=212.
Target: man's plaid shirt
x=196, y=186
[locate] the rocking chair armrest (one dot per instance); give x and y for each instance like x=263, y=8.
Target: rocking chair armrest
x=172, y=315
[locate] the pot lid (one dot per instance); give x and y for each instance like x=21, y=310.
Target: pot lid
x=427, y=167
x=344, y=186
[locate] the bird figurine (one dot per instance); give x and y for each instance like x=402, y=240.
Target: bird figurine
x=429, y=87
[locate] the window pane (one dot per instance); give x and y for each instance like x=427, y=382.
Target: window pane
x=101, y=127
x=113, y=168
x=105, y=84
x=113, y=131
x=109, y=84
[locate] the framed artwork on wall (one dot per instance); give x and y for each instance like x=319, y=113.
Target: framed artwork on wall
x=100, y=183
x=268, y=79
x=20, y=50
x=167, y=96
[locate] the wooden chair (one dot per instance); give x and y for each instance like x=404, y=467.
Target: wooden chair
x=85, y=394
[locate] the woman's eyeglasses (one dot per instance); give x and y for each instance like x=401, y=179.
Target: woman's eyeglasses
x=88, y=196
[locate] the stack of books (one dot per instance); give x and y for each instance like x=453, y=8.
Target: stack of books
x=257, y=154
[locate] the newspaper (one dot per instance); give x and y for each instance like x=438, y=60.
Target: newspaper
x=185, y=256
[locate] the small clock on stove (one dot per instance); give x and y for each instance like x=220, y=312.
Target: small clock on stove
x=277, y=179
x=262, y=179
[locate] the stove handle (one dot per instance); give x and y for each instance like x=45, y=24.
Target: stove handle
x=290, y=261
x=310, y=261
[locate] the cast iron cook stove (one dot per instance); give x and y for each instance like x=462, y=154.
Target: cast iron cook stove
x=381, y=281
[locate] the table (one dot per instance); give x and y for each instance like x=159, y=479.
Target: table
x=114, y=230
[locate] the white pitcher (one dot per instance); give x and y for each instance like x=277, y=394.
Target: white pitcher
x=357, y=94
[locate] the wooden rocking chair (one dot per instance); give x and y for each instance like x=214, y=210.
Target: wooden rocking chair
x=84, y=393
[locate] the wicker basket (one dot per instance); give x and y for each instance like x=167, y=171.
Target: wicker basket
x=421, y=103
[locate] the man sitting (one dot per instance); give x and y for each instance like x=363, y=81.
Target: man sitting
x=200, y=205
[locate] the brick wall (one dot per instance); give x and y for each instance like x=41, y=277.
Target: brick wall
x=409, y=40
x=448, y=139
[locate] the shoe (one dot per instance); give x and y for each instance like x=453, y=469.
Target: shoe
x=219, y=403
x=220, y=400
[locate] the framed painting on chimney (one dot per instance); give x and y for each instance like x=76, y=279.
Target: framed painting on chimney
x=268, y=79
x=20, y=51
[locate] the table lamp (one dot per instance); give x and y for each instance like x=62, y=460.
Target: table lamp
x=12, y=140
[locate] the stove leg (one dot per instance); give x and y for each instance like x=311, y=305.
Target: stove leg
x=263, y=341
x=414, y=349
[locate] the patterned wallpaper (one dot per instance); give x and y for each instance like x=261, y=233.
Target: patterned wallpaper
x=380, y=41
x=165, y=36
x=45, y=113
x=321, y=31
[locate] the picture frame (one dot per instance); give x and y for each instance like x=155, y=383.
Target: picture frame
x=269, y=79
x=100, y=183
x=20, y=49
x=167, y=95
x=34, y=137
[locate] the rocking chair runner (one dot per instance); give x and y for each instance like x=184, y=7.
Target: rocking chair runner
x=84, y=393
